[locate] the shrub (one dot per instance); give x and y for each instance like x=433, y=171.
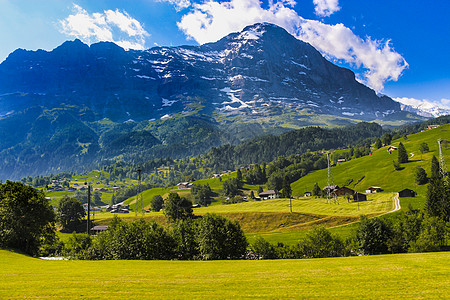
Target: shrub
x=220, y=238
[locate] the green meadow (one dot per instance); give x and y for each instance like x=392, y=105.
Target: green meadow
x=425, y=275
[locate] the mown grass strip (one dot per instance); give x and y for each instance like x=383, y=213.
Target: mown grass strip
x=371, y=277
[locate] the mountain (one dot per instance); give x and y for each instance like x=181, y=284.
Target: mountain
x=424, y=108
x=80, y=104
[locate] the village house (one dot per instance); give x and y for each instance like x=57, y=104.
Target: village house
x=344, y=191
x=307, y=194
x=373, y=189
x=184, y=185
x=391, y=148
x=97, y=229
x=432, y=126
x=357, y=197
x=341, y=160
x=330, y=189
x=270, y=194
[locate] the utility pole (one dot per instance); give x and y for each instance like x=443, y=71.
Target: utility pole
x=290, y=203
x=140, y=192
x=442, y=166
x=88, y=225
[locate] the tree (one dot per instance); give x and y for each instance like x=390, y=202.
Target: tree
x=316, y=191
x=373, y=235
x=220, y=238
x=70, y=213
x=287, y=191
x=387, y=139
x=239, y=175
x=157, y=203
x=231, y=187
x=421, y=176
x=424, y=148
x=402, y=154
x=177, y=208
x=25, y=217
x=378, y=144
x=202, y=194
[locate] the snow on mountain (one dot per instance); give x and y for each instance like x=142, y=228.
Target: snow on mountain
x=423, y=108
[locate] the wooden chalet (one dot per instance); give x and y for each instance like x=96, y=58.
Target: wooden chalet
x=344, y=191
x=357, y=197
x=270, y=194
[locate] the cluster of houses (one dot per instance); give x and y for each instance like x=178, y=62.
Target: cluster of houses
x=119, y=208
x=335, y=191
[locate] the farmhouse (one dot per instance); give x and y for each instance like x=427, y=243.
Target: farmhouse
x=373, y=189
x=406, y=193
x=307, y=194
x=357, y=197
x=97, y=229
x=344, y=191
x=432, y=126
x=270, y=194
x=341, y=160
x=184, y=185
x=391, y=148
x=330, y=189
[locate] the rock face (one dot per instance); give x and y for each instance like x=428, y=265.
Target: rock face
x=260, y=71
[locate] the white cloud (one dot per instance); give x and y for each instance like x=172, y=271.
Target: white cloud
x=111, y=26
x=325, y=8
x=376, y=60
x=179, y=4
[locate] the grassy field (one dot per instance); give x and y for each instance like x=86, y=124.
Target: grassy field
x=424, y=275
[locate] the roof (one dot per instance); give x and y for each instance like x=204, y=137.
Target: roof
x=99, y=228
x=269, y=192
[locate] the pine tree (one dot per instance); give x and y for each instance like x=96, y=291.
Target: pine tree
x=402, y=154
x=316, y=190
x=421, y=176
x=287, y=191
x=378, y=144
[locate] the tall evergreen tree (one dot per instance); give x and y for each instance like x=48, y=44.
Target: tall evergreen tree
x=316, y=190
x=402, y=154
x=287, y=191
x=378, y=144
x=435, y=191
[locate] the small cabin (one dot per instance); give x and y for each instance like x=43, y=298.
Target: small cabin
x=358, y=197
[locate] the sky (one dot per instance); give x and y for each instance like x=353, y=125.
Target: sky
x=399, y=48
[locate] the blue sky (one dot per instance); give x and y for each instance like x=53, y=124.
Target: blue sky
x=399, y=48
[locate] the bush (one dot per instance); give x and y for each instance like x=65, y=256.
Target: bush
x=220, y=238
x=373, y=235
x=264, y=250
x=157, y=203
x=177, y=208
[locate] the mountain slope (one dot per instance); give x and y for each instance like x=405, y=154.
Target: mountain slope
x=67, y=108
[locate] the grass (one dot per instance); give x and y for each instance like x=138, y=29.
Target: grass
x=385, y=276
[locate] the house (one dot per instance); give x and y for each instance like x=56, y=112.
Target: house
x=373, y=189
x=307, y=194
x=270, y=194
x=344, y=191
x=97, y=229
x=330, y=189
x=407, y=193
x=391, y=148
x=432, y=126
x=341, y=160
x=184, y=185
x=357, y=197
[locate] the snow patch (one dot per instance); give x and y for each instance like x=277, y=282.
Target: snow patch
x=166, y=102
